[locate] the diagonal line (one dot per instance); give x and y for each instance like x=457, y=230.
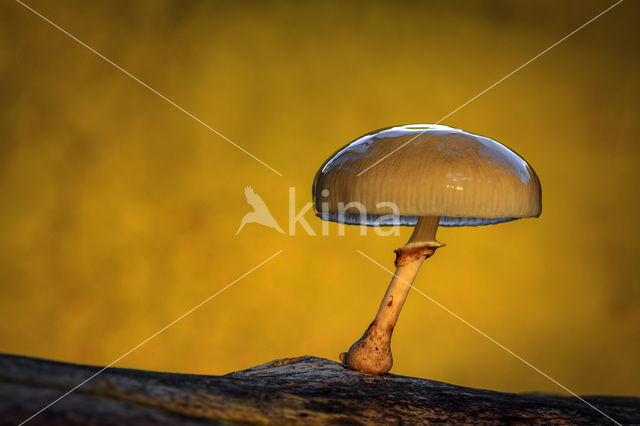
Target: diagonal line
x=494, y=341
x=151, y=89
x=152, y=336
x=496, y=83
x=529, y=61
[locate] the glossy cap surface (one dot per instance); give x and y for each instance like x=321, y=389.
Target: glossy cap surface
x=435, y=170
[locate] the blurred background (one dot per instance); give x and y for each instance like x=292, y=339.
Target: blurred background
x=118, y=212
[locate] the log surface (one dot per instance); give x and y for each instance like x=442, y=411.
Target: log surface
x=292, y=390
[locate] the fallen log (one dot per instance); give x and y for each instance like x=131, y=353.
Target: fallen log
x=293, y=390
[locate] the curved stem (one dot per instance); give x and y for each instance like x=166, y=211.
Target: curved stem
x=372, y=353
x=396, y=294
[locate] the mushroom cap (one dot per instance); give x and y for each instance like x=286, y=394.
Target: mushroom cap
x=426, y=170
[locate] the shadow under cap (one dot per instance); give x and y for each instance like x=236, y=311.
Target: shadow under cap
x=375, y=220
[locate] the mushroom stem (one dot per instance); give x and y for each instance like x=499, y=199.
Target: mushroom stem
x=372, y=353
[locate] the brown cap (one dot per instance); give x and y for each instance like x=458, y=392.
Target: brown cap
x=426, y=170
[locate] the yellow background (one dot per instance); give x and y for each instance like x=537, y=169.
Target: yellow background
x=118, y=212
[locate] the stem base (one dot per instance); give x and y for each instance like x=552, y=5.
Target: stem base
x=371, y=353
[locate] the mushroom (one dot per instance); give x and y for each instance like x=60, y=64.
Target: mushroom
x=434, y=176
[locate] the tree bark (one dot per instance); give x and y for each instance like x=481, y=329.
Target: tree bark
x=292, y=390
